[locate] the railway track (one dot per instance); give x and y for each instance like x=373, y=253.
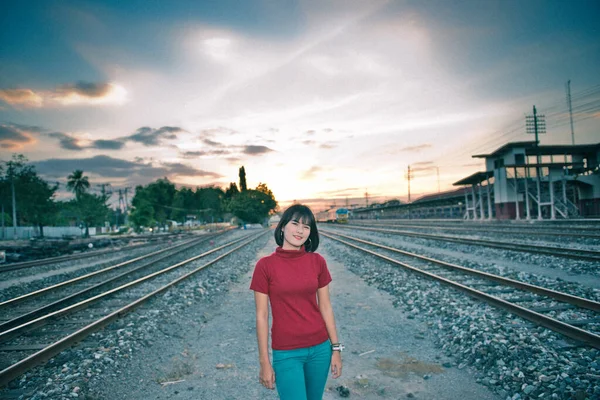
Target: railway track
x=586, y=233
x=560, y=312
x=577, y=254
x=78, y=256
x=37, y=340
x=15, y=313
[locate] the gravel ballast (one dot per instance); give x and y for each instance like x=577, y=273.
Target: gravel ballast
x=406, y=337
x=204, y=347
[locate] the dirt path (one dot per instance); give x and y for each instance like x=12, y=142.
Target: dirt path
x=387, y=355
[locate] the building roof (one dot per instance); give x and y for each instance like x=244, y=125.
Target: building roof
x=531, y=149
x=441, y=196
x=553, y=149
x=503, y=149
x=475, y=178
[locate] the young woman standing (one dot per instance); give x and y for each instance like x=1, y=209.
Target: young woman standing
x=295, y=280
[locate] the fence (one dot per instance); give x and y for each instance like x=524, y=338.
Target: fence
x=28, y=232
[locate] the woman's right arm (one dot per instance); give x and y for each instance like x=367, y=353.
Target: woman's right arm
x=267, y=375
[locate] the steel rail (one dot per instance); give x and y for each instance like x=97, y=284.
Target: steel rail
x=19, y=368
x=579, y=254
x=18, y=299
x=57, y=303
x=67, y=257
x=565, y=297
x=508, y=230
x=524, y=224
x=43, y=320
x=537, y=318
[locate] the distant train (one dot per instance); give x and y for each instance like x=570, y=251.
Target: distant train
x=339, y=216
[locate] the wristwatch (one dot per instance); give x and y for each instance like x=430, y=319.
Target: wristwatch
x=337, y=347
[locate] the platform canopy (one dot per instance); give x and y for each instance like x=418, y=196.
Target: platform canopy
x=475, y=178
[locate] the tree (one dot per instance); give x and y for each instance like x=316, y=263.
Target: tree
x=252, y=206
x=77, y=183
x=142, y=212
x=269, y=201
x=242, y=175
x=231, y=191
x=153, y=204
x=210, y=200
x=35, y=197
x=92, y=210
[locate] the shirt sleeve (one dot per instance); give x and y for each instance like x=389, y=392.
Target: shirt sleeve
x=324, y=275
x=260, y=278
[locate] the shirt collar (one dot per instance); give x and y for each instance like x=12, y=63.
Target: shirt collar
x=290, y=253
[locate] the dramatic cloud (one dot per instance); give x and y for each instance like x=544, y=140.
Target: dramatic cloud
x=21, y=97
x=80, y=93
x=11, y=137
x=145, y=135
x=151, y=137
x=212, y=143
x=103, y=144
x=66, y=142
x=114, y=168
x=85, y=89
x=254, y=150
x=201, y=153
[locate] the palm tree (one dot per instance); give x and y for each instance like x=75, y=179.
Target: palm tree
x=77, y=183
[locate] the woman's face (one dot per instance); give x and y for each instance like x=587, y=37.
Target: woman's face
x=295, y=233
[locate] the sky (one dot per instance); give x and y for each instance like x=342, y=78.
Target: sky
x=324, y=101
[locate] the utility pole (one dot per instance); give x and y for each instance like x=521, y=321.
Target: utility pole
x=103, y=190
x=570, y=111
x=126, y=206
x=3, y=232
x=408, y=177
x=14, y=208
x=367, y=198
x=536, y=124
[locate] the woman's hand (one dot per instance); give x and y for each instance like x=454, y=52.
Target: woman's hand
x=336, y=364
x=267, y=376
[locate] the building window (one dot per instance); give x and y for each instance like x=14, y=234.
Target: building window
x=519, y=159
x=499, y=163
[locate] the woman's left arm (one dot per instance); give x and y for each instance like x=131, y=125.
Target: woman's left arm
x=327, y=313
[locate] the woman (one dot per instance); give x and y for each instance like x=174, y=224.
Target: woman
x=295, y=280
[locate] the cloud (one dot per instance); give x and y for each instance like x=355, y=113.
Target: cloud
x=12, y=137
x=21, y=97
x=85, y=89
x=311, y=173
x=212, y=143
x=79, y=93
x=104, y=144
x=151, y=137
x=106, y=167
x=201, y=153
x=423, y=166
x=220, y=131
x=415, y=148
x=145, y=135
x=67, y=142
x=254, y=150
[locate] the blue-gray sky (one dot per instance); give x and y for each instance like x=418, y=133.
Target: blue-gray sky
x=319, y=99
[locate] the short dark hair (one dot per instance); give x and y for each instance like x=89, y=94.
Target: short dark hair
x=300, y=213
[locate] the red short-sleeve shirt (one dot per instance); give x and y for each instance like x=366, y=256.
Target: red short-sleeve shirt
x=291, y=279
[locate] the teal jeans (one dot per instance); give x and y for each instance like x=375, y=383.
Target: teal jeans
x=301, y=374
